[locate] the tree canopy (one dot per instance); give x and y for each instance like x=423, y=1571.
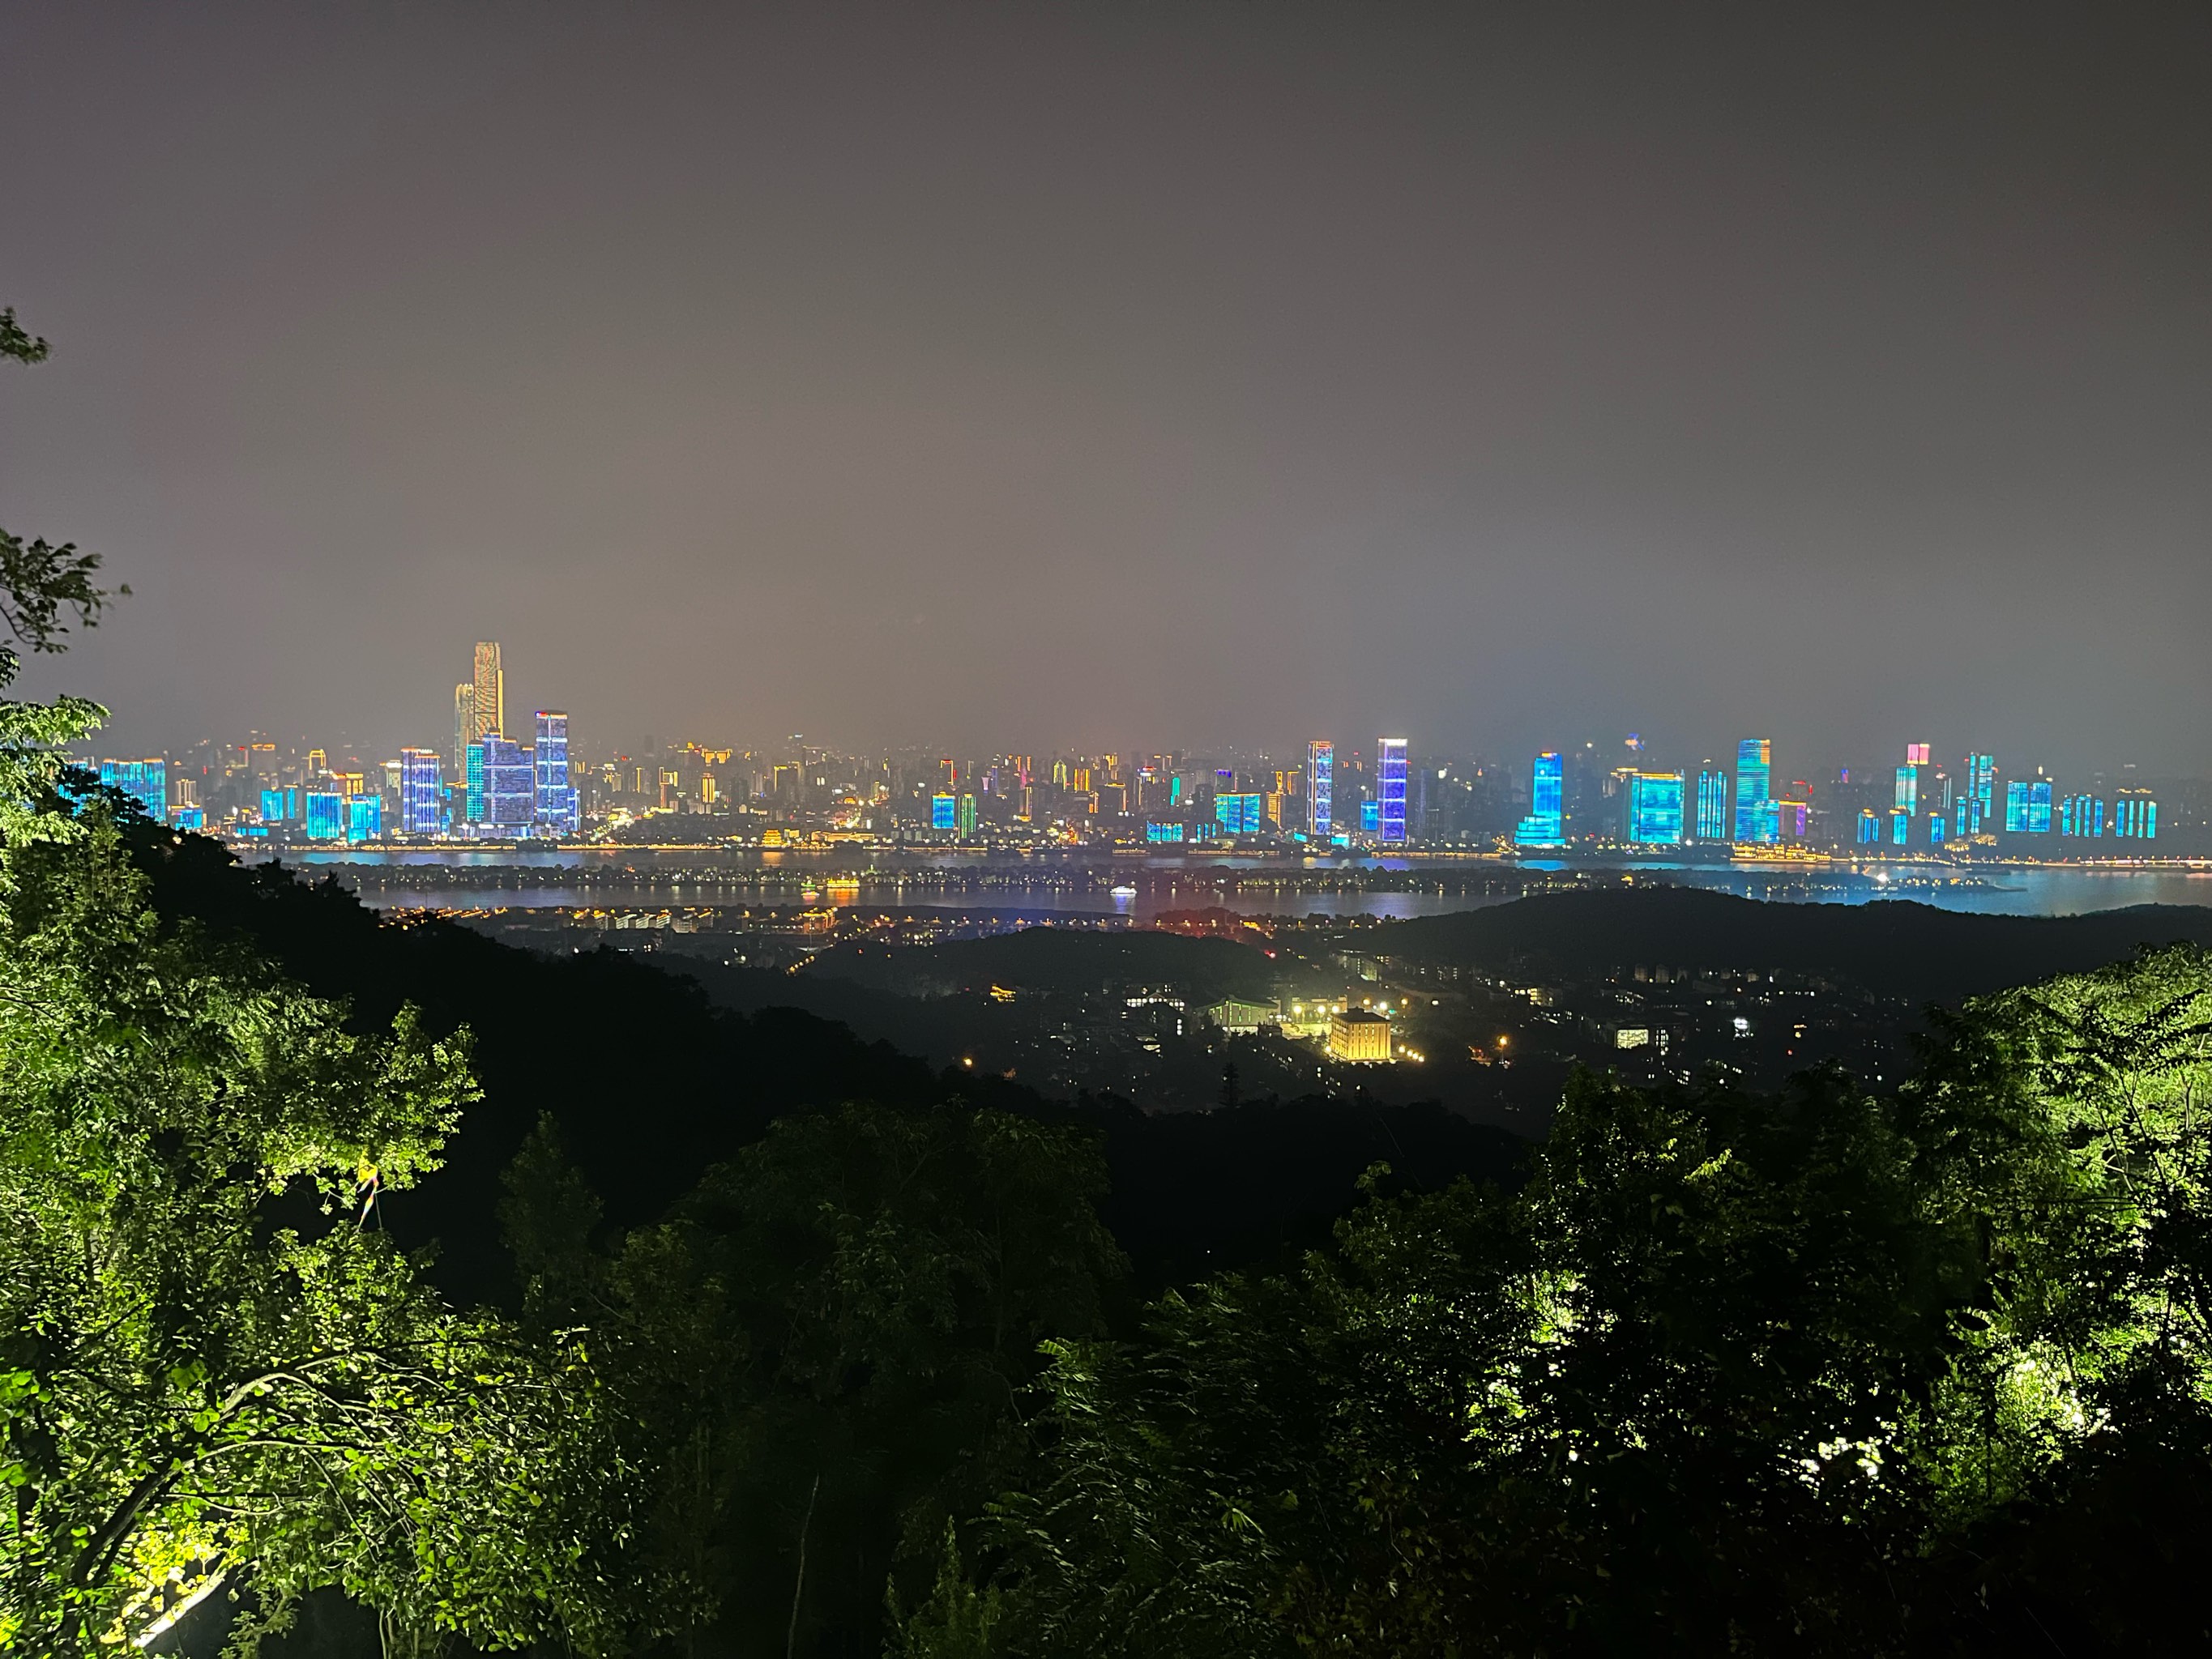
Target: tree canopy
x=1833, y=1372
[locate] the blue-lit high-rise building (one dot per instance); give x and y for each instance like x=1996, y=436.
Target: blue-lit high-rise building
x=1320, y=788
x=1390, y=789
x=1713, y=804
x=1756, y=818
x=510, y=792
x=944, y=812
x=472, y=784
x=1655, y=808
x=1546, y=824
x=146, y=781
x=555, y=795
x=281, y=805
x=418, y=792
x=324, y=814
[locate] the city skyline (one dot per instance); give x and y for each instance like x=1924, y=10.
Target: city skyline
x=1377, y=795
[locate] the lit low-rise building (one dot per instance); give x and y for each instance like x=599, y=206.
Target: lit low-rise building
x=1237, y=1014
x=1360, y=1035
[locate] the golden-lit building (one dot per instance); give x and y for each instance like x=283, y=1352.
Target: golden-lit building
x=1359, y=1034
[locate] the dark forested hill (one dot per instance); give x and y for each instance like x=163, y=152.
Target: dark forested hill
x=651, y=1084
x=1908, y=951
x=1057, y=959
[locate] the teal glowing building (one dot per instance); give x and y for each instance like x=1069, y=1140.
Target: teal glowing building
x=1712, y=805
x=1546, y=824
x=1756, y=820
x=1655, y=808
x=2027, y=806
x=364, y=818
x=145, y=781
x=2135, y=815
x=1239, y=814
x=1980, y=814
x=2082, y=817
x=943, y=812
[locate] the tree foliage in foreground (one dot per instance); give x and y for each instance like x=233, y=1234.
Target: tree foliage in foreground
x=1831, y=1373
x=216, y=1369
x=822, y=1350
x=213, y=1368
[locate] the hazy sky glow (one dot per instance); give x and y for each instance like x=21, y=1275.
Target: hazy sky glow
x=1125, y=374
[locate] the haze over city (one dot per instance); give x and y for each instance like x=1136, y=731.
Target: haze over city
x=1152, y=377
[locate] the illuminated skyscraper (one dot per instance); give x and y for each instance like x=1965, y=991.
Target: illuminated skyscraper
x=1390, y=789
x=325, y=813
x=418, y=792
x=2027, y=806
x=2082, y=817
x=510, y=796
x=1654, y=818
x=943, y=812
x=964, y=820
x=2134, y=815
x=1977, y=815
x=1755, y=818
x=1239, y=814
x=1546, y=824
x=1713, y=804
x=146, y=781
x=1321, y=789
x=364, y=818
x=464, y=725
x=490, y=690
x=556, y=796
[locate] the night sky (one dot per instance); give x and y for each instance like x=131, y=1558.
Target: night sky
x=1128, y=375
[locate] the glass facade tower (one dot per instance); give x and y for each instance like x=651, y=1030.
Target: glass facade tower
x=418, y=792
x=555, y=795
x=2027, y=806
x=510, y=796
x=1756, y=818
x=1546, y=824
x=1390, y=790
x=1655, y=808
x=1321, y=789
x=1713, y=805
x=491, y=681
